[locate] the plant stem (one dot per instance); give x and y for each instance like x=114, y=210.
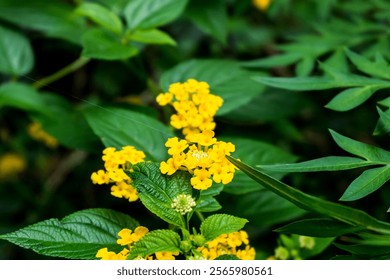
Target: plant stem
x=80, y=62
x=200, y=216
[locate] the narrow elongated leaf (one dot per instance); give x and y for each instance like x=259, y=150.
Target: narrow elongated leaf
x=151, y=36
x=319, y=83
x=225, y=78
x=331, y=163
x=383, y=124
x=77, y=236
x=351, y=98
x=218, y=224
x=119, y=127
x=16, y=54
x=273, y=61
x=368, y=182
x=320, y=227
x=162, y=240
x=369, y=152
x=314, y=204
x=101, y=16
x=157, y=191
x=146, y=14
x=102, y=44
x=377, y=69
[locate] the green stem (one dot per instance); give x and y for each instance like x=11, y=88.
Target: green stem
x=200, y=216
x=80, y=62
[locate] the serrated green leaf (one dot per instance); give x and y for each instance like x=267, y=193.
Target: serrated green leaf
x=206, y=201
x=368, y=182
x=314, y=204
x=369, y=152
x=210, y=16
x=16, y=54
x=118, y=127
x=383, y=124
x=319, y=227
x=157, y=191
x=215, y=225
x=351, y=98
x=100, y=15
x=77, y=236
x=331, y=163
x=146, y=14
x=161, y=240
x=227, y=258
x=226, y=79
x=102, y=44
x=151, y=36
x=376, y=69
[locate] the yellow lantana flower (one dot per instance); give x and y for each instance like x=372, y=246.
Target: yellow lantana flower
x=115, y=164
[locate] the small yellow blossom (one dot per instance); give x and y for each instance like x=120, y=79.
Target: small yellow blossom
x=127, y=236
x=116, y=162
x=261, y=4
x=195, y=106
x=104, y=254
x=166, y=255
x=36, y=131
x=202, y=156
x=11, y=164
x=231, y=244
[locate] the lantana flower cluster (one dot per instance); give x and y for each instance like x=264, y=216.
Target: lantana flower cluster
x=127, y=239
x=203, y=156
x=195, y=106
x=235, y=243
x=115, y=164
x=200, y=153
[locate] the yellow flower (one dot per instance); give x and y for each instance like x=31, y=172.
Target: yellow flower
x=11, y=164
x=166, y=255
x=195, y=106
x=261, y=4
x=116, y=162
x=104, y=254
x=128, y=237
x=36, y=131
x=201, y=179
x=229, y=244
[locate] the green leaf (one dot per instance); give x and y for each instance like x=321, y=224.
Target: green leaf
x=157, y=191
x=383, y=124
x=311, y=203
x=367, y=252
x=320, y=83
x=319, y=227
x=100, y=15
x=77, y=236
x=16, y=55
x=226, y=79
x=378, y=69
x=151, y=36
x=147, y=14
x=22, y=96
x=54, y=18
x=368, y=182
x=369, y=152
x=227, y=258
x=210, y=16
x=215, y=225
x=102, y=44
x=305, y=66
x=206, y=201
x=253, y=152
x=161, y=240
x=351, y=98
x=331, y=163
x=273, y=61
x=118, y=127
